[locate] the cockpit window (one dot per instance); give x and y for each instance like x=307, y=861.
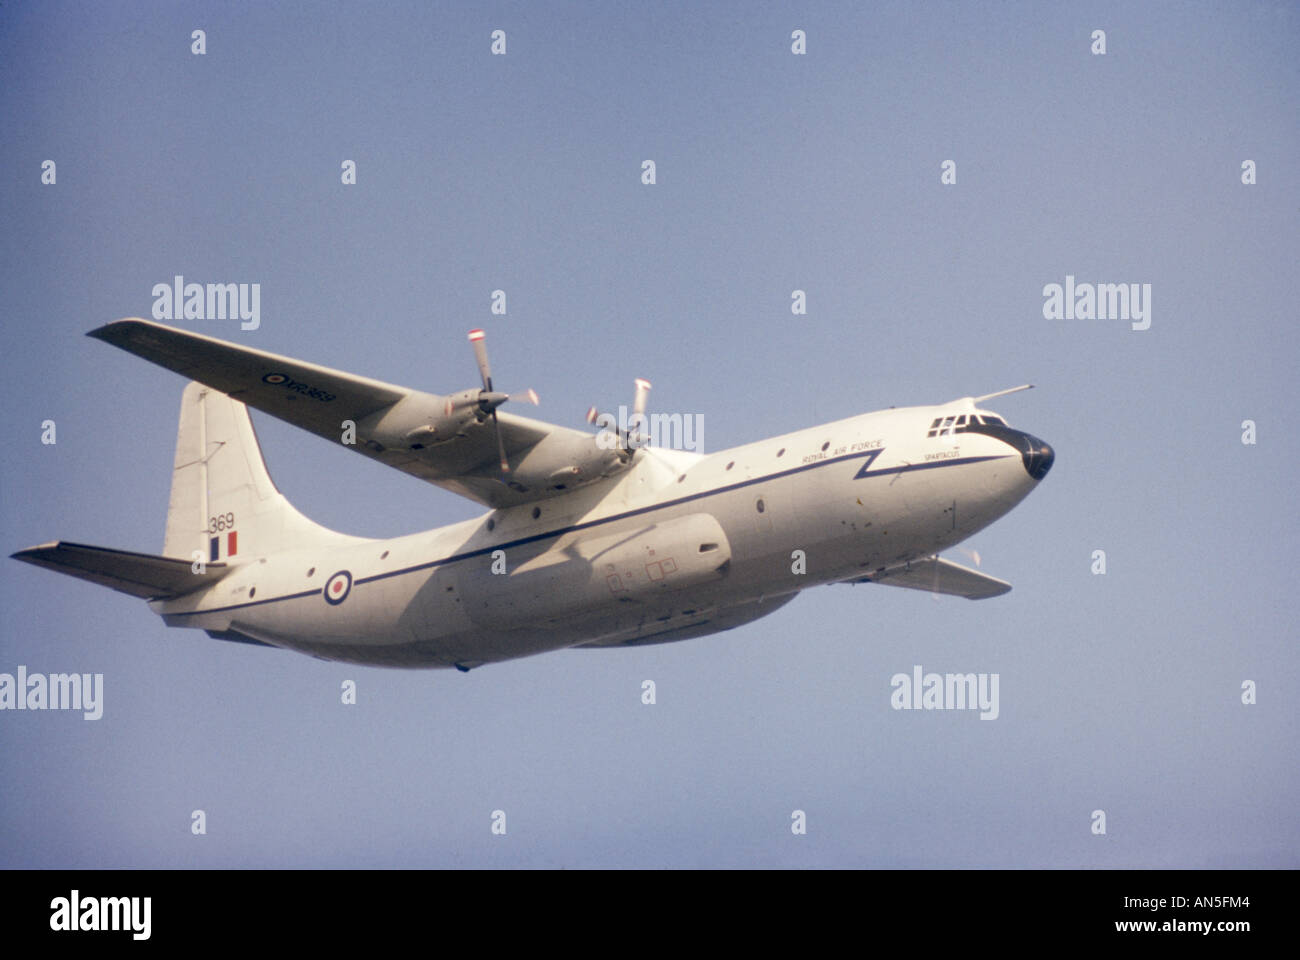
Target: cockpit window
x=961, y=423
x=943, y=426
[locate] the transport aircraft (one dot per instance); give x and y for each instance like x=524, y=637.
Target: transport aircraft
x=589, y=540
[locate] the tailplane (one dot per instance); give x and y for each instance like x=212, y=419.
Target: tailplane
x=224, y=510
x=138, y=574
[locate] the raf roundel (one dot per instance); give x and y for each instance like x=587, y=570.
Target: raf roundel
x=276, y=378
x=338, y=587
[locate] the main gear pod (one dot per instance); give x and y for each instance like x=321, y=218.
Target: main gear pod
x=585, y=572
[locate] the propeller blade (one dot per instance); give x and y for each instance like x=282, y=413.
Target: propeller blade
x=637, y=420
x=501, y=447
x=480, y=354
x=642, y=394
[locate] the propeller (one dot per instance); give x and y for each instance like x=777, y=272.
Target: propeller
x=627, y=439
x=488, y=400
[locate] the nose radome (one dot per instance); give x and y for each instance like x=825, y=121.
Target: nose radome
x=1034, y=454
x=1038, y=457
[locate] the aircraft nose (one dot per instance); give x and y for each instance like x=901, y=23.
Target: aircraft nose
x=1037, y=456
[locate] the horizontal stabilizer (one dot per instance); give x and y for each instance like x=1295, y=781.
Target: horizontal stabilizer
x=139, y=574
x=937, y=575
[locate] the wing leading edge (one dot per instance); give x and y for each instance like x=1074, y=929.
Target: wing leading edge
x=409, y=430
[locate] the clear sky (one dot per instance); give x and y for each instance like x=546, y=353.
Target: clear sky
x=820, y=172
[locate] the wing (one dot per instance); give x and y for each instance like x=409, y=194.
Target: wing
x=443, y=439
x=937, y=575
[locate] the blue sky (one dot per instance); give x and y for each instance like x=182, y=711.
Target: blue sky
x=775, y=172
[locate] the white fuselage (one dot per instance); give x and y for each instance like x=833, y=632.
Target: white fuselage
x=678, y=545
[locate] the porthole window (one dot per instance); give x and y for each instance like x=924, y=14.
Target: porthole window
x=492, y=525
x=681, y=478
x=826, y=444
x=781, y=452
x=537, y=512
x=384, y=555
x=311, y=572
x=252, y=592
x=731, y=464
x=760, y=505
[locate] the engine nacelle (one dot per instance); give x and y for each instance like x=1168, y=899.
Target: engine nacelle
x=422, y=420
x=564, y=462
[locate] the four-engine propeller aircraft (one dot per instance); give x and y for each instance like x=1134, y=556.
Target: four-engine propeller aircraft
x=590, y=540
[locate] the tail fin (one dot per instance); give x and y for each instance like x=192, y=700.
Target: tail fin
x=224, y=507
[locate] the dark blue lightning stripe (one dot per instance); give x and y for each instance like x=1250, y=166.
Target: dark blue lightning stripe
x=868, y=456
